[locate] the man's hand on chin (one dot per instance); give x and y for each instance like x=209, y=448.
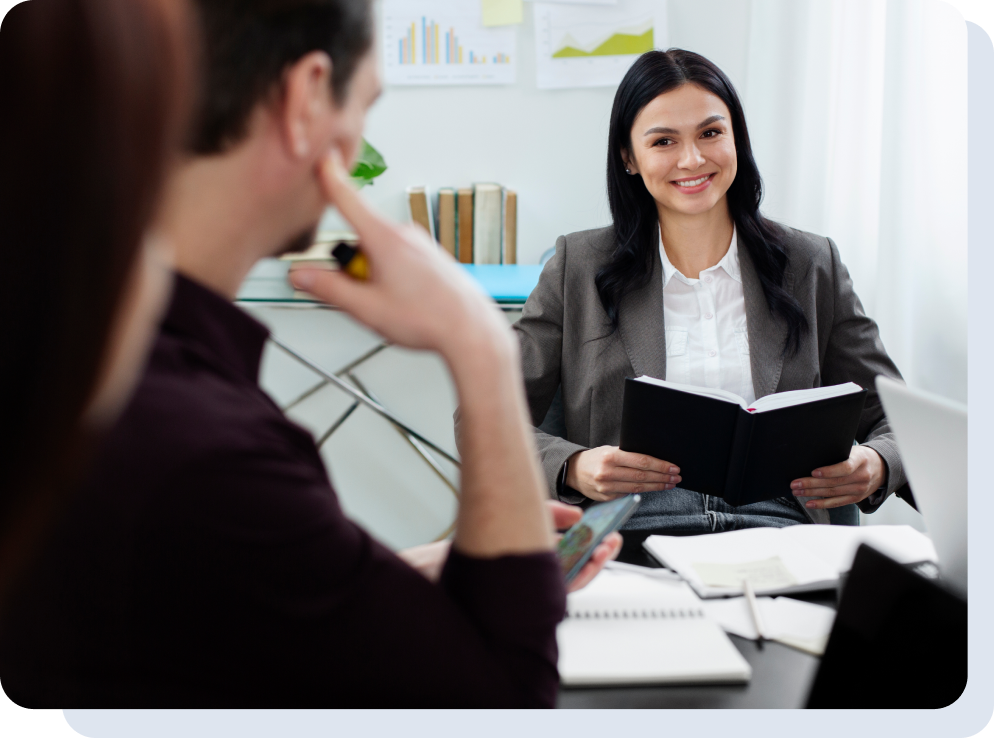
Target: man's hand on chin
x=429, y=558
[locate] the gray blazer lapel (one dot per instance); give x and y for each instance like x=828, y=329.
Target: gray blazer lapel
x=640, y=324
x=766, y=333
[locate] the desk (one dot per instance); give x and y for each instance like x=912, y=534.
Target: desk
x=508, y=285
x=781, y=676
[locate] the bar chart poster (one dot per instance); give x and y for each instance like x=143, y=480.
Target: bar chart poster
x=444, y=42
x=594, y=45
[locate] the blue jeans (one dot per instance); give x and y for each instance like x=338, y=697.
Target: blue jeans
x=681, y=509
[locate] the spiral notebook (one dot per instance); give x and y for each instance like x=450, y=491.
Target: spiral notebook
x=626, y=628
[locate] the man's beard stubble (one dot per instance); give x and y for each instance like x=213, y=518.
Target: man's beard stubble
x=299, y=243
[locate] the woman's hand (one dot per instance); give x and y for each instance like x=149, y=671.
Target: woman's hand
x=852, y=480
x=607, y=472
x=429, y=559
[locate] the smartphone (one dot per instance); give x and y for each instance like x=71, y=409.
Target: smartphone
x=579, y=542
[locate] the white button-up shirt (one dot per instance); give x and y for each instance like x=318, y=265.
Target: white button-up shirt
x=707, y=340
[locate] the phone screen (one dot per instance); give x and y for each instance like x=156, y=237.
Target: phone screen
x=579, y=542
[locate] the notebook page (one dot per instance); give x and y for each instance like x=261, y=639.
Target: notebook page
x=836, y=544
x=625, y=628
x=801, y=625
x=712, y=392
x=624, y=594
x=799, y=397
x=742, y=550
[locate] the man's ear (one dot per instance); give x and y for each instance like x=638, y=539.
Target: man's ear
x=306, y=104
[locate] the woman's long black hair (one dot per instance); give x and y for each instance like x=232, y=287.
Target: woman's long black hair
x=634, y=209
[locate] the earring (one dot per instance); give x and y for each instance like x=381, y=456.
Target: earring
x=628, y=171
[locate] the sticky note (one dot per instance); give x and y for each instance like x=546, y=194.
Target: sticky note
x=769, y=573
x=502, y=12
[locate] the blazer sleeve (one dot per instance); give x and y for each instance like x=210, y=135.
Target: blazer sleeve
x=540, y=334
x=855, y=353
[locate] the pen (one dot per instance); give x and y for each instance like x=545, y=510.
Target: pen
x=754, y=611
x=352, y=261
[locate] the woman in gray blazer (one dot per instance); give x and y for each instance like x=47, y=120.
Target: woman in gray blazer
x=692, y=284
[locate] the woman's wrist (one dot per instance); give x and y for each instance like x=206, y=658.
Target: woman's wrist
x=572, y=479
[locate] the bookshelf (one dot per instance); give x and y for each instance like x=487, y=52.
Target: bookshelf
x=508, y=285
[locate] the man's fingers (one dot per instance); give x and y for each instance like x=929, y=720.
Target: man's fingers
x=606, y=549
x=564, y=516
x=340, y=192
x=643, y=462
x=613, y=542
x=334, y=288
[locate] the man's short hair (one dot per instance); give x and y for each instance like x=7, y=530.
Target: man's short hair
x=247, y=46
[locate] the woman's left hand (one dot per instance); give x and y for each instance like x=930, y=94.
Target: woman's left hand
x=852, y=480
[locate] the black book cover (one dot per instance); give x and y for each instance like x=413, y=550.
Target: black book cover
x=724, y=451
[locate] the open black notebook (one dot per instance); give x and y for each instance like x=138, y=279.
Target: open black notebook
x=742, y=453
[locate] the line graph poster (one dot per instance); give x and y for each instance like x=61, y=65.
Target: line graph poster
x=593, y=46
x=444, y=42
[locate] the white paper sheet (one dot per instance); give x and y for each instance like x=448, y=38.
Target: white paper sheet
x=801, y=625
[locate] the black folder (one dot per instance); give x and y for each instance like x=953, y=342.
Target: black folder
x=724, y=450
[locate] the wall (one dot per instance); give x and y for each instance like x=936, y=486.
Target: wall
x=549, y=145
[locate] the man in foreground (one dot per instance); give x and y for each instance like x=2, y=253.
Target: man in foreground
x=206, y=561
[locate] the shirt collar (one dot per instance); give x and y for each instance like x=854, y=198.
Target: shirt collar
x=221, y=330
x=729, y=262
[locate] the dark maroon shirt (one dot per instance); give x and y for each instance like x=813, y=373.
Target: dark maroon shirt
x=207, y=562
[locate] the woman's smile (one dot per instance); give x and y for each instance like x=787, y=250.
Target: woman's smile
x=693, y=185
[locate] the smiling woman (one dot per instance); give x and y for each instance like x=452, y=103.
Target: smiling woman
x=692, y=284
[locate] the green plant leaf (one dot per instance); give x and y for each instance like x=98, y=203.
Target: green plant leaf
x=368, y=166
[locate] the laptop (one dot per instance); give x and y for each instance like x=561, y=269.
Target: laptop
x=901, y=632
x=931, y=438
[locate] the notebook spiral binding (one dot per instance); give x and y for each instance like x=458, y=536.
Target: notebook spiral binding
x=634, y=614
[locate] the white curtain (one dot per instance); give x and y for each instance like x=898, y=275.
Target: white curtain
x=857, y=109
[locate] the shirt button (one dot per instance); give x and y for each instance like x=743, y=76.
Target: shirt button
x=712, y=353
x=708, y=316
x=708, y=279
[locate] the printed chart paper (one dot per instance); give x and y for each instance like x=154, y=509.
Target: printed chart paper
x=444, y=42
x=594, y=45
x=502, y=12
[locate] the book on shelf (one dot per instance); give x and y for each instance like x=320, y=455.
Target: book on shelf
x=464, y=208
x=488, y=201
x=419, y=205
x=447, y=219
x=742, y=453
x=477, y=224
x=509, y=242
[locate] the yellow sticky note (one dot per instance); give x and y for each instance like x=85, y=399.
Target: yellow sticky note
x=502, y=12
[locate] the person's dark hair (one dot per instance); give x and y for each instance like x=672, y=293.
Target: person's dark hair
x=248, y=45
x=633, y=208
x=94, y=102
